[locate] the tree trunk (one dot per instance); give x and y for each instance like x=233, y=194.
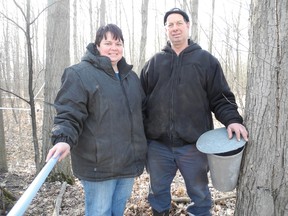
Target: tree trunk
x=143, y=41
x=132, y=55
x=3, y=158
x=102, y=13
x=91, y=24
x=58, y=57
x=75, y=44
x=194, y=20
x=8, y=68
x=212, y=28
x=28, y=39
x=238, y=88
x=263, y=182
x=31, y=87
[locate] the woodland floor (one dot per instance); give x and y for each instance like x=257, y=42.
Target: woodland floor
x=21, y=172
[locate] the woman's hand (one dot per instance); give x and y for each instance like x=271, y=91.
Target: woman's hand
x=61, y=148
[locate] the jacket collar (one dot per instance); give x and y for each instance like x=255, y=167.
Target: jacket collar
x=93, y=56
x=192, y=46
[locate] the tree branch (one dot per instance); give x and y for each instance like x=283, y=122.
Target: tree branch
x=22, y=12
x=13, y=22
x=181, y=199
x=43, y=11
x=224, y=198
x=187, y=199
x=15, y=95
x=59, y=200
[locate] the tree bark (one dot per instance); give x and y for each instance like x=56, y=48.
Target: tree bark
x=31, y=86
x=194, y=20
x=263, y=182
x=58, y=57
x=75, y=44
x=212, y=28
x=102, y=13
x=3, y=157
x=143, y=41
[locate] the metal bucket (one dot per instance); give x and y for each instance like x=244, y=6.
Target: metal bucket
x=225, y=168
x=224, y=157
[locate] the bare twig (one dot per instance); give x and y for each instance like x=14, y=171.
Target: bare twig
x=181, y=199
x=187, y=199
x=43, y=11
x=12, y=21
x=59, y=200
x=15, y=95
x=224, y=198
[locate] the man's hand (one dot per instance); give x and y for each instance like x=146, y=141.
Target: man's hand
x=61, y=148
x=239, y=131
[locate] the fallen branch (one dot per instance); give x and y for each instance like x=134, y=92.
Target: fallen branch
x=59, y=200
x=7, y=200
x=187, y=199
x=181, y=199
x=224, y=198
x=7, y=194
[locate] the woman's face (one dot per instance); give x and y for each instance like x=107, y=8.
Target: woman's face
x=111, y=48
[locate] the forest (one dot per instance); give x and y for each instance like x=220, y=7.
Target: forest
x=41, y=38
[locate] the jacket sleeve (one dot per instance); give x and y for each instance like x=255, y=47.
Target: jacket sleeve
x=145, y=87
x=71, y=111
x=221, y=98
x=144, y=78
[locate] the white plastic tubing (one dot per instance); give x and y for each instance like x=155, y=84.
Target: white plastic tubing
x=22, y=204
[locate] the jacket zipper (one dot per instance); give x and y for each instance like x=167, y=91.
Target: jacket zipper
x=130, y=114
x=174, y=76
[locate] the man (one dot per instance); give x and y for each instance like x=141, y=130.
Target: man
x=183, y=85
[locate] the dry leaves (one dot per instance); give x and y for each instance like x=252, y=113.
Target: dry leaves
x=22, y=170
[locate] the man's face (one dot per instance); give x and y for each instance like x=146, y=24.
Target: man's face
x=177, y=29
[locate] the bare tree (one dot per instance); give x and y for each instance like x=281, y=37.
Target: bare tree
x=130, y=39
x=58, y=57
x=238, y=72
x=133, y=35
x=31, y=101
x=3, y=157
x=263, y=183
x=143, y=41
x=227, y=54
x=9, y=73
x=194, y=19
x=102, y=13
x=212, y=28
x=75, y=16
x=233, y=65
x=192, y=6
x=92, y=27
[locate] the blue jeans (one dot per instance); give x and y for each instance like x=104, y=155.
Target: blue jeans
x=107, y=198
x=163, y=163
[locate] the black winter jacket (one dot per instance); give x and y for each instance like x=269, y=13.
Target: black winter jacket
x=101, y=118
x=181, y=92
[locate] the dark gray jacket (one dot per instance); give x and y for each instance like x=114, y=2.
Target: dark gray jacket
x=182, y=91
x=101, y=118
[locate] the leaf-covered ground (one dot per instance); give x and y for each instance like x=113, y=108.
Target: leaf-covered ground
x=21, y=173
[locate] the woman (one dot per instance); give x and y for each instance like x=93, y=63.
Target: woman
x=99, y=118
